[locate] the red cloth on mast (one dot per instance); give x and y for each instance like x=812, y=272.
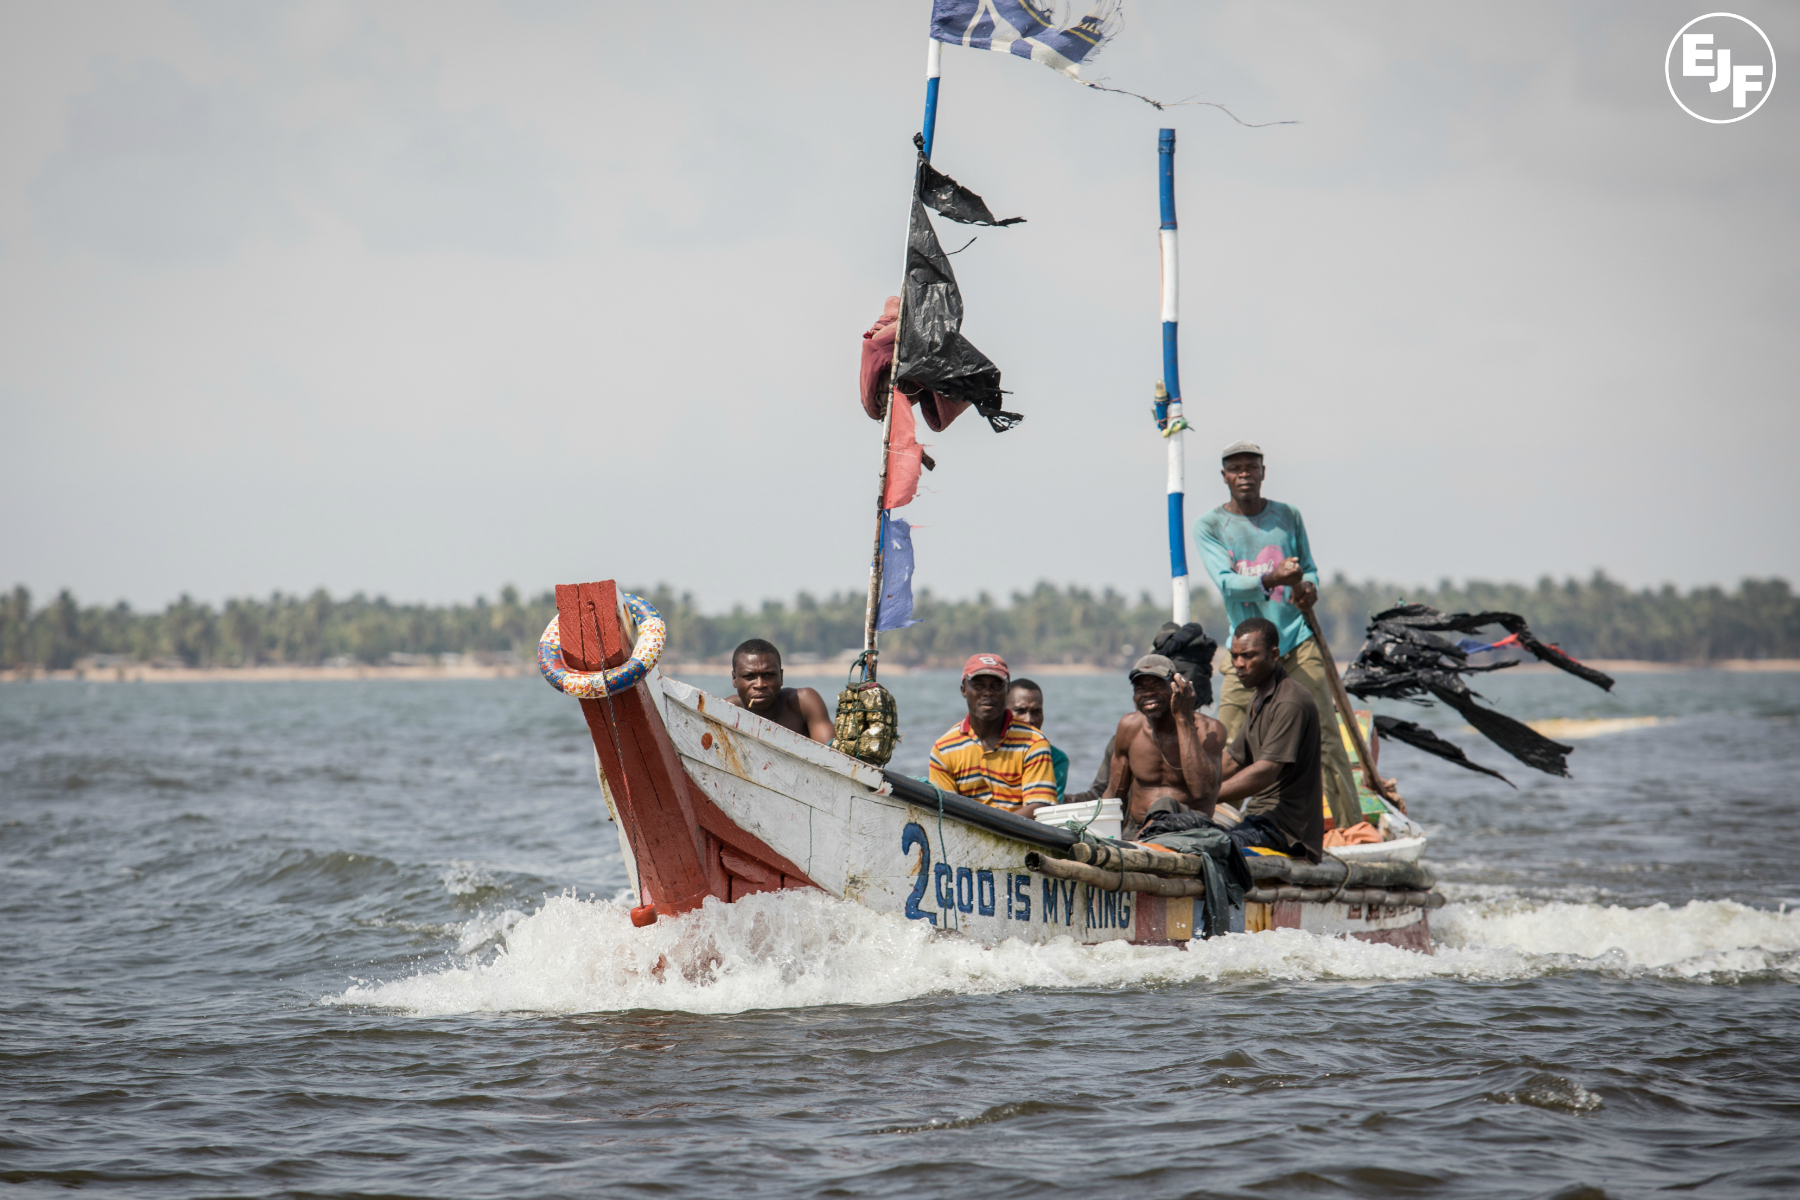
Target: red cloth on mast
x=905, y=460
x=878, y=360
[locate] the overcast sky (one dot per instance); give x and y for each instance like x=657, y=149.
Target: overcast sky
x=424, y=298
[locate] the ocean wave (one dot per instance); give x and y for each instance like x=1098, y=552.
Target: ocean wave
x=1698, y=939
x=461, y=878
x=1551, y=1091
x=801, y=949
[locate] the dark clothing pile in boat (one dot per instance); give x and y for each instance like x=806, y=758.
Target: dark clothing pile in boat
x=1262, y=832
x=1283, y=728
x=1224, y=873
x=1249, y=831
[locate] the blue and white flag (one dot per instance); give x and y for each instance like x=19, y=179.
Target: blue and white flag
x=896, y=576
x=1025, y=29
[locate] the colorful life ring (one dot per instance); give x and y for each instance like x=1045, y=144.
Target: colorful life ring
x=597, y=685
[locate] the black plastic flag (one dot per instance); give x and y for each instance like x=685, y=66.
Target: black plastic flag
x=932, y=352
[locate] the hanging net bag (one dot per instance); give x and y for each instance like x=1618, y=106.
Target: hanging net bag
x=868, y=723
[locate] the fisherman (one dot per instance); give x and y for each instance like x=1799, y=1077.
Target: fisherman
x=990, y=755
x=1271, y=768
x=1191, y=652
x=1025, y=700
x=1165, y=755
x=1256, y=551
x=756, y=674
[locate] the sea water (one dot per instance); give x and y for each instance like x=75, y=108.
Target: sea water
x=373, y=938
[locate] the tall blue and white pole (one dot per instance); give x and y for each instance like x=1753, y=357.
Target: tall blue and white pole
x=1168, y=392
x=934, y=65
x=934, y=59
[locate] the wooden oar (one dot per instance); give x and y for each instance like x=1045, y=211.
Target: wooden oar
x=1370, y=776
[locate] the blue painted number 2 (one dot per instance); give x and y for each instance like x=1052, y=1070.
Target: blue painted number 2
x=914, y=835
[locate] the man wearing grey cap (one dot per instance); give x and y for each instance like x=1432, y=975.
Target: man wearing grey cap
x=1256, y=551
x=1165, y=754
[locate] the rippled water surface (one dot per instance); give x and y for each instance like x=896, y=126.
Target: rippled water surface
x=366, y=938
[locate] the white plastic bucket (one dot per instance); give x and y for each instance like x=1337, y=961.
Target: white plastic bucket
x=1109, y=823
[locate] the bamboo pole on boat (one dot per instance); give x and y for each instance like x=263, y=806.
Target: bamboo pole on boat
x=1168, y=393
x=1132, y=858
x=1113, y=881
x=1331, y=873
x=1368, y=896
x=1371, y=776
x=934, y=55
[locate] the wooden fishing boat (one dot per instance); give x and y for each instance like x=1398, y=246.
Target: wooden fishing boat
x=713, y=802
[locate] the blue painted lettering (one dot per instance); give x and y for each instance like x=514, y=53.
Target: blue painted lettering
x=1020, y=884
x=914, y=835
x=945, y=899
x=965, y=890
x=984, y=893
x=1068, y=892
x=1050, y=901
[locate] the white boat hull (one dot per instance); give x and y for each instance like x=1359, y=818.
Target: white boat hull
x=838, y=820
x=715, y=802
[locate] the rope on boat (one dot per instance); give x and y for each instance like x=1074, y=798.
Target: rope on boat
x=597, y=685
x=943, y=853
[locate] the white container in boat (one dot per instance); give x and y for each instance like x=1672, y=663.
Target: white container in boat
x=1108, y=823
x=1407, y=849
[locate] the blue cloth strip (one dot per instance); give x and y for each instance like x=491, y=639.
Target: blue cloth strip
x=896, y=577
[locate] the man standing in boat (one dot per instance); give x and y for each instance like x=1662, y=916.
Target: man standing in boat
x=1271, y=768
x=756, y=674
x=1165, y=755
x=1256, y=551
x=988, y=755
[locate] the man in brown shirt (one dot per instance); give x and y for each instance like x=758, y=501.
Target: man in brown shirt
x=1271, y=769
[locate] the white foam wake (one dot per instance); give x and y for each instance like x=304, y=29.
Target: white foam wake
x=1702, y=938
x=798, y=949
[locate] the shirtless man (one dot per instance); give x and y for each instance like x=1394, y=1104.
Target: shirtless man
x=1166, y=750
x=756, y=673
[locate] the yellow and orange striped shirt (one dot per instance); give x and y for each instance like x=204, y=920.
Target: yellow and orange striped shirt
x=1018, y=771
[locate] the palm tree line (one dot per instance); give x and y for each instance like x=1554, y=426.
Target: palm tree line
x=1595, y=618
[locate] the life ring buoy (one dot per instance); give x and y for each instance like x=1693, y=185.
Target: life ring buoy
x=597, y=685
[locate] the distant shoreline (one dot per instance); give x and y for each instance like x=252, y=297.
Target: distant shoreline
x=284, y=673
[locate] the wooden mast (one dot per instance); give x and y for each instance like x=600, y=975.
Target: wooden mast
x=872, y=614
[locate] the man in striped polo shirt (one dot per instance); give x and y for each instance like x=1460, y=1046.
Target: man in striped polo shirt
x=988, y=756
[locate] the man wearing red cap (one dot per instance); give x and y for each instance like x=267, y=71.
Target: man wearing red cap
x=988, y=756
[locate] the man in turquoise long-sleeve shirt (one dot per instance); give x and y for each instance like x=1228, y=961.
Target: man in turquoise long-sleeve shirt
x=1257, y=554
